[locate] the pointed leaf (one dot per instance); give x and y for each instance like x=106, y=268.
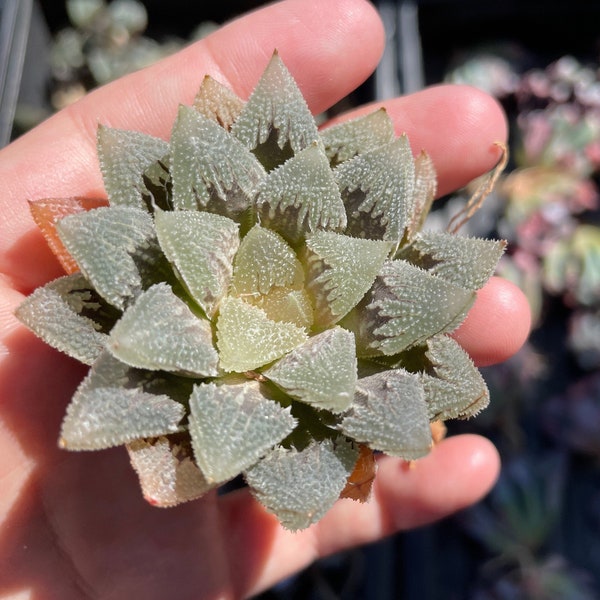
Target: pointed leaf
x=124, y=156
x=233, y=426
x=201, y=246
x=389, y=413
x=166, y=470
x=377, y=189
x=300, y=487
x=467, y=262
x=275, y=123
x=110, y=408
x=210, y=169
x=48, y=211
x=408, y=305
x=248, y=339
x=320, y=372
x=283, y=304
x=360, y=483
x=425, y=191
x=62, y=314
x=160, y=332
x=301, y=196
x=340, y=271
x=217, y=102
x=264, y=261
x=357, y=136
x=454, y=388
x=109, y=244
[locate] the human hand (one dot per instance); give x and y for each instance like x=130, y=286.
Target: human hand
x=75, y=525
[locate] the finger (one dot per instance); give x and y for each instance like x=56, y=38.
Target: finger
x=330, y=47
x=497, y=325
x=457, y=473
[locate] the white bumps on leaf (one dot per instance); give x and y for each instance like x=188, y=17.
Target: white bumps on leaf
x=301, y=196
x=408, y=305
x=210, y=169
x=263, y=261
x=276, y=107
x=124, y=156
x=201, y=246
x=166, y=470
x=217, y=102
x=377, y=188
x=299, y=487
x=340, y=271
x=111, y=408
x=454, y=387
x=53, y=313
x=467, y=262
x=389, y=414
x=248, y=339
x=424, y=192
x=357, y=136
x=320, y=372
x=108, y=245
x=160, y=332
x=232, y=426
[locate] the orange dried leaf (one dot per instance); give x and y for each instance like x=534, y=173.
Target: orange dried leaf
x=359, y=484
x=48, y=211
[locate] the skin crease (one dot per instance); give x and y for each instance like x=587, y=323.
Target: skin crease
x=74, y=525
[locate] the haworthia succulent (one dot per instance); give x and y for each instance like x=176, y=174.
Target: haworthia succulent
x=301, y=196
x=201, y=247
x=275, y=123
x=111, y=408
x=215, y=101
x=232, y=426
x=389, y=413
x=299, y=487
x=62, y=314
x=166, y=469
x=320, y=372
x=345, y=140
x=124, y=156
x=210, y=169
x=248, y=339
x=408, y=305
x=110, y=245
x=159, y=332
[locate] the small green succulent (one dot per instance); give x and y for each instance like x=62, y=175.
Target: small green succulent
x=258, y=298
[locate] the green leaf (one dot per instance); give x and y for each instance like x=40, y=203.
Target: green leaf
x=201, y=246
x=357, y=136
x=233, y=426
x=299, y=487
x=124, y=156
x=110, y=246
x=248, y=339
x=276, y=122
x=408, y=305
x=210, y=169
x=454, y=388
x=264, y=261
x=69, y=316
x=467, y=262
x=166, y=470
x=389, y=414
x=110, y=408
x=320, y=372
x=425, y=191
x=378, y=191
x=217, y=102
x=301, y=196
x=340, y=271
x=283, y=304
x=160, y=332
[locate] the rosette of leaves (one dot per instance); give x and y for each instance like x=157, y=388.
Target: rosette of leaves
x=257, y=297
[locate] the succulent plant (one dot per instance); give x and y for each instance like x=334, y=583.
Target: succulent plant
x=258, y=298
